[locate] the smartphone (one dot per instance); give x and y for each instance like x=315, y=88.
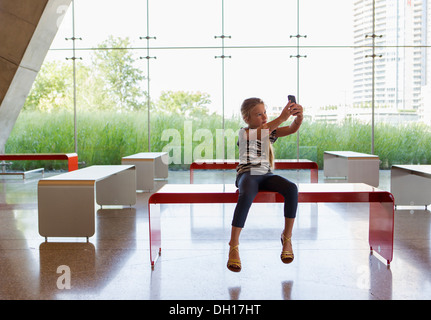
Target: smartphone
x=291, y=98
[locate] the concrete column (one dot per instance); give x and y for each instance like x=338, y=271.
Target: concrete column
x=27, y=29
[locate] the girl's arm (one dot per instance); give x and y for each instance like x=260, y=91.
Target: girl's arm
x=294, y=126
x=274, y=124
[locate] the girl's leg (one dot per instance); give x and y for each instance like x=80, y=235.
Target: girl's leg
x=287, y=232
x=290, y=192
x=234, y=236
x=234, y=241
x=248, y=187
x=287, y=189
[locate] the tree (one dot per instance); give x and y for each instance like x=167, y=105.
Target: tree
x=189, y=105
x=52, y=89
x=113, y=62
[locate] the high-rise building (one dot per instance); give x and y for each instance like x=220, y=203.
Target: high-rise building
x=402, y=60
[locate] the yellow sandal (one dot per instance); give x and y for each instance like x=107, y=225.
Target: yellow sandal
x=234, y=265
x=286, y=256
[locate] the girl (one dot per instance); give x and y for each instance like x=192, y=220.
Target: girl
x=254, y=172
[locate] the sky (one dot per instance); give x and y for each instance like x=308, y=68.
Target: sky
x=325, y=75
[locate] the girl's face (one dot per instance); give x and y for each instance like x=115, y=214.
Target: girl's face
x=257, y=116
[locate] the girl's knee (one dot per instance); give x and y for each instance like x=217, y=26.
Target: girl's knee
x=290, y=188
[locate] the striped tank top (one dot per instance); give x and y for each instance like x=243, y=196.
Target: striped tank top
x=254, y=153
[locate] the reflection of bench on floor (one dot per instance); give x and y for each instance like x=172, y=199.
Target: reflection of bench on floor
x=381, y=223
x=354, y=167
x=66, y=202
x=72, y=161
x=411, y=184
x=279, y=164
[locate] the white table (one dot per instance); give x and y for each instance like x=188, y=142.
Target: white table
x=355, y=167
x=149, y=166
x=411, y=184
x=67, y=202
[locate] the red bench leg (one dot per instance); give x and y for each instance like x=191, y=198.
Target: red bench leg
x=155, y=232
x=73, y=163
x=314, y=175
x=381, y=229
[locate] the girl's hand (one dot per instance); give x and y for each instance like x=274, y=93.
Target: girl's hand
x=297, y=111
x=287, y=111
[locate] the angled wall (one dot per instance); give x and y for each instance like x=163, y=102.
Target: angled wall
x=27, y=29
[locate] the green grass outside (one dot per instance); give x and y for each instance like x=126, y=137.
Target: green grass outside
x=105, y=137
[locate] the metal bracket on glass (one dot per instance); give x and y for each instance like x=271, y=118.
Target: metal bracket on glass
x=147, y=38
x=222, y=57
x=222, y=37
x=298, y=36
x=373, y=36
x=373, y=56
x=73, y=39
x=298, y=56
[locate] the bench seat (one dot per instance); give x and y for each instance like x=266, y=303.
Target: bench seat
x=353, y=167
x=411, y=184
x=279, y=164
x=67, y=202
x=72, y=158
x=381, y=223
x=149, y=166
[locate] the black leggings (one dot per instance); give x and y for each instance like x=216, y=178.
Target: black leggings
x=249, y=184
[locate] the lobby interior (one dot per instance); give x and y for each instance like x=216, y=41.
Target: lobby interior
x=330, y=241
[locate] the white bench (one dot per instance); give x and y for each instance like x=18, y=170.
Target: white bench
x=411, y=184
x=355, y=167
x=149, y=166
x=67, y=202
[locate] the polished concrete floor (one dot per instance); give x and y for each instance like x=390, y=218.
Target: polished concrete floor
x=332, y=259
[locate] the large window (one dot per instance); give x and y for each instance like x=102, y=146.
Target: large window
x=361, y=69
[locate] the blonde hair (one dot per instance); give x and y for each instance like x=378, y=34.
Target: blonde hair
x=246, y=107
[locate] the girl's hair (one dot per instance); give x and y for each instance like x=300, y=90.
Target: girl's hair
x=249, y=104
x=246, y=107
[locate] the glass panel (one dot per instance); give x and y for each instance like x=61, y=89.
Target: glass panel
x=326, y=23
x=260, y=23
x=185, y=88
x=96, y=20
x=267, y=74
x=326, y=86
x=402, y=103
x=185, y=23
x=326, y=82
x=187, y=71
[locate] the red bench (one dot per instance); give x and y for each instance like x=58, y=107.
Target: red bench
x=280, y=164
x=381, y=221
x=72, y=158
